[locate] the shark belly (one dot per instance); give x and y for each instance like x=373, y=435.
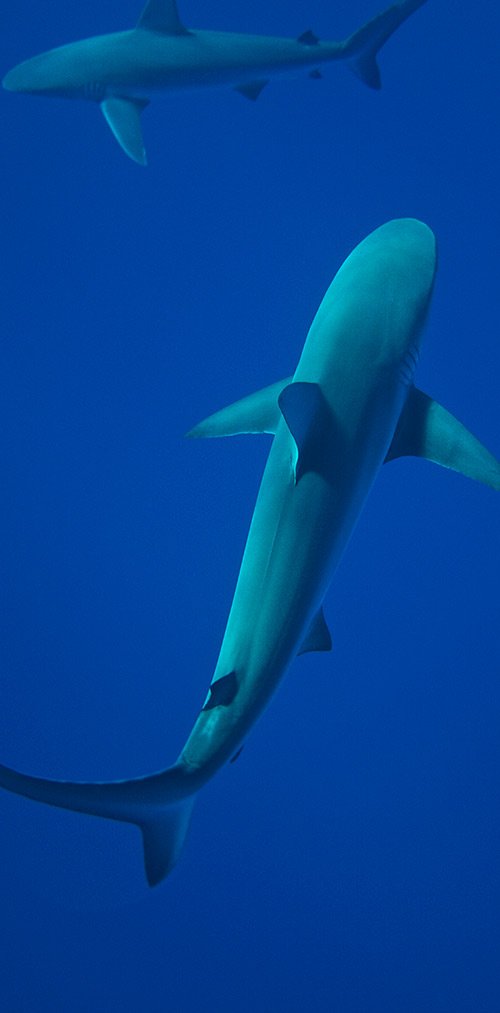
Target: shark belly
x=297, y=536
x=371, y=314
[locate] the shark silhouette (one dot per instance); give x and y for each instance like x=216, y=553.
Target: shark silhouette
x=350, y=406
x=120, y=70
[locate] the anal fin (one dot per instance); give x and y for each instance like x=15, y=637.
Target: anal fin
x=318, y=637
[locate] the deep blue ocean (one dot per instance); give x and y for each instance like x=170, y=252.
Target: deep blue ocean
x=349, y=862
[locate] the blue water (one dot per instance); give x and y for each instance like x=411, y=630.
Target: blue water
x=349, y=861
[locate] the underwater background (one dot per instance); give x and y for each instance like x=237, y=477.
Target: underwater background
x=349, y=861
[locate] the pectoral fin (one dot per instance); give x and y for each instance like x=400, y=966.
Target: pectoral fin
x=426, y=429
x=318, y=637
x=257, y=413
x=123, y=116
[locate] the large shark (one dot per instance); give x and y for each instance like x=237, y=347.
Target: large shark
x=120, y=70
x=349, y=406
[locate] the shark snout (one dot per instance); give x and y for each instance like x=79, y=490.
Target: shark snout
x=11, y=81
x=25, y=77
x=41, y=75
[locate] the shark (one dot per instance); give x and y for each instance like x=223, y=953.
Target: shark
x=350, y=406
x=119, y=71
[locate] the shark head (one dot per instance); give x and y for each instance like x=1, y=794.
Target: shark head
x=389, y=277
x=370, y=322
x=72, y=71
x=410, y=259
x=38, y=76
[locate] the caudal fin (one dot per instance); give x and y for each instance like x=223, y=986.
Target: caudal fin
x=160, y=805
x=361, y=47
x=163, y=838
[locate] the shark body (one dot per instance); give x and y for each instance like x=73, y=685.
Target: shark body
x=120, y=70
x=350, y=406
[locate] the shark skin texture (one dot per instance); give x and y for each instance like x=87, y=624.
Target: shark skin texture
x=350, y=406
x=120, y=70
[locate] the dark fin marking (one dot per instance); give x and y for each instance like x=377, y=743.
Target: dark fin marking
x=222, y=692
x=237, y=754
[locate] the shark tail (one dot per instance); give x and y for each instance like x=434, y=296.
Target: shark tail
x=361, y=48
x=160, y=805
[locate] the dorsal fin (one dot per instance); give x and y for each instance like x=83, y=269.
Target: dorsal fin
x=162, y=16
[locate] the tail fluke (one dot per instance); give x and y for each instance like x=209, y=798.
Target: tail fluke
x=160, y=805
x=361, y=47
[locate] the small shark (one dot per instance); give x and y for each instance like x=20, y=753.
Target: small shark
x=120, y=70
x=350, y=406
